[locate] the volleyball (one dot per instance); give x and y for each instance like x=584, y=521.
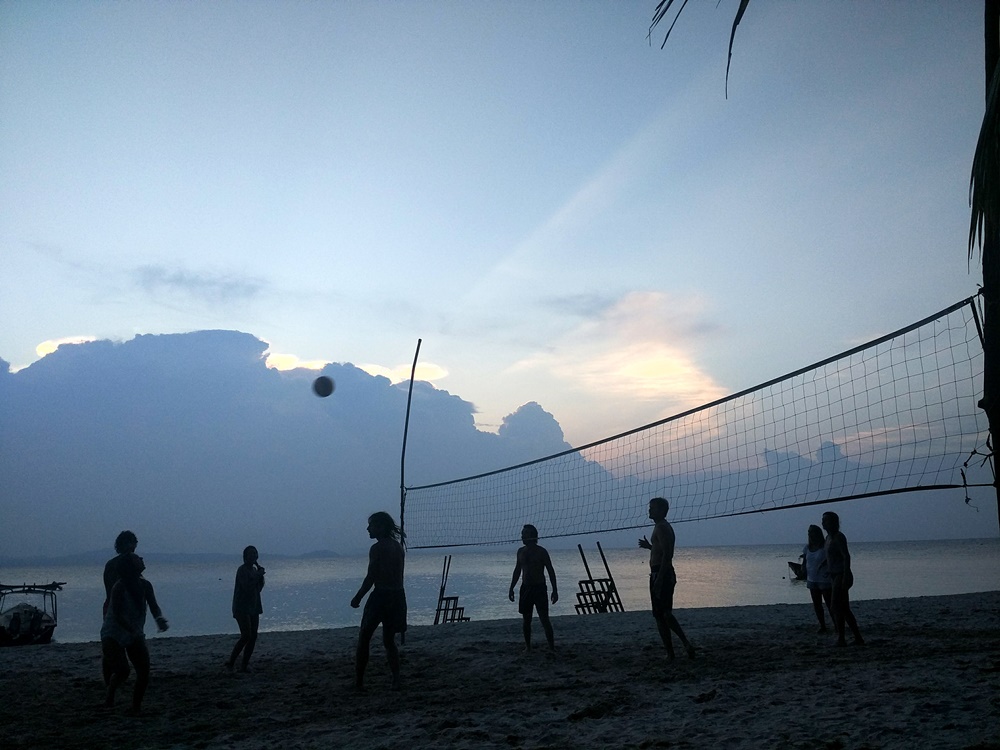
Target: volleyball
x=323, y=386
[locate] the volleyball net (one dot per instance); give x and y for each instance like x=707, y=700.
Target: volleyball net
x=897, y=414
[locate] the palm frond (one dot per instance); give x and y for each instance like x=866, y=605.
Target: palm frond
x=663, y=8
x=984, y=183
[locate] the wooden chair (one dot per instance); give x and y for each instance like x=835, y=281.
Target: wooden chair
x=447, y=607
x=597, y=595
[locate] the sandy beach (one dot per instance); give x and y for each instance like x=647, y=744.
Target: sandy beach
x=929, y=677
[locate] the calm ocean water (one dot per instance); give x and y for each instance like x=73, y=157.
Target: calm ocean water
x=316, y=593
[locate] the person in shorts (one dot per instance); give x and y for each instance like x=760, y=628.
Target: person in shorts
x=122, y=636
x=387, y=604
x=662, y=578
x=838, y=563
x=533, y=561
x=817, y=576
x=247, y=607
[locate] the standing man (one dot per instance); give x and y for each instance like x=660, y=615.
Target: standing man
x=838, y=564
x=125, y=544
x=247, y=607
x=662, y=578
x=387, y=603
x=533, y=561
x=122, y=635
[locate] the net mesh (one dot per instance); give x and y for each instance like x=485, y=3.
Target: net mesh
x=896, y=414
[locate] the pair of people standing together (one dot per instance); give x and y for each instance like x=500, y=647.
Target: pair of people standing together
x=123, y=640
x=386, y=606
x=829, y=577
x=534, y=561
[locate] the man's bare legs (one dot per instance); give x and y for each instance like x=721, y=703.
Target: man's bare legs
x=526, y=629
x=543, y=617
x=843, y=617
x=392, y=654
x=667, y=623
x=361, y=656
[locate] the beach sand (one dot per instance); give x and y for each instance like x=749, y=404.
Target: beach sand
x=929, y=677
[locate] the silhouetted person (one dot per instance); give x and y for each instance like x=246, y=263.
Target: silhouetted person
x=125, y=544
x=838, y=564
x=247, y=607
x=662, y=578
x=533, y=561
x=122, y=636
x=387, y=603
x=817, y=575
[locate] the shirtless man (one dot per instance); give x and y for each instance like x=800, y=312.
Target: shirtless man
x=122, y=636
x=387, y=604
x=125, y=544
x=662, y=578
x=534, y=561
x=838, y=564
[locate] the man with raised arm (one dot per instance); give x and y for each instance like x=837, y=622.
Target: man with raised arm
x=662, y=578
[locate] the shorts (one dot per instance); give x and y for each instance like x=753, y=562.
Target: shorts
x=533, y=596
x=385, y=607
x=664, y=603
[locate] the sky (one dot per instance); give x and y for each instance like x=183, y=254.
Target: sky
x=560, y=210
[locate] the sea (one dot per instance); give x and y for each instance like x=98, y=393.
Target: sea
x=309, y=593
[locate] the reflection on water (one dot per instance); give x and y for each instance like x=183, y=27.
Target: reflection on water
x=316, y=593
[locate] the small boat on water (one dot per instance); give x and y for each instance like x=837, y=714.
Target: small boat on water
x=22, y=621
x=798, y=570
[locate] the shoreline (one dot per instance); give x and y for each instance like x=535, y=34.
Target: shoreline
x=929, y=676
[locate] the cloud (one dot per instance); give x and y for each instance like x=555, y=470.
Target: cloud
x=284, y=362
x=580, y=305
x=49, y=346
x=639, y=348
x=426, y=371
x=213, y=288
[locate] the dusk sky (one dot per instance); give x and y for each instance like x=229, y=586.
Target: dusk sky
x=563, y=212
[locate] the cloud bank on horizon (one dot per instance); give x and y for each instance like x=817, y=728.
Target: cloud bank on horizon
x=194, y=442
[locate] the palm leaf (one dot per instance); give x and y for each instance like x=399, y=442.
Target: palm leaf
x=984, y=188
x=663, y=8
